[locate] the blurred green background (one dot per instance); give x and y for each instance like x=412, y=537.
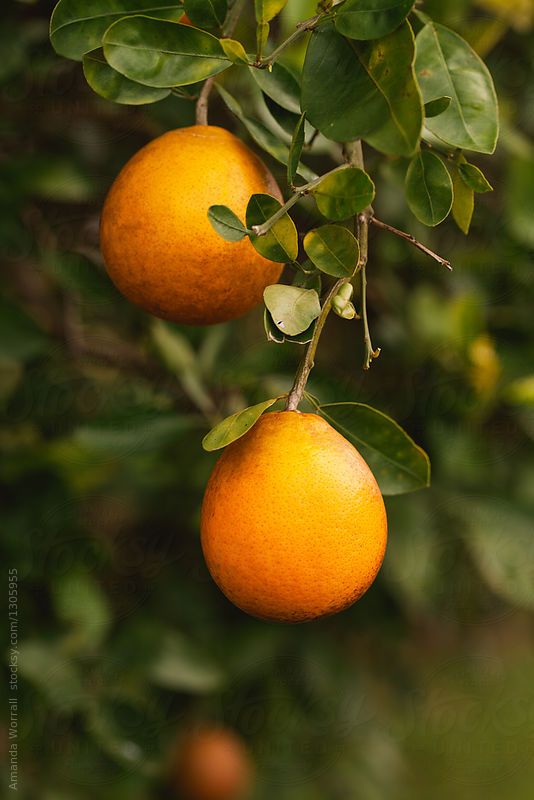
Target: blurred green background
x=425, y=687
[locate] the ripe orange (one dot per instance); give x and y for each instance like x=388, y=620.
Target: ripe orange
x=212, y=764
x=293, y=522
x=158, y=244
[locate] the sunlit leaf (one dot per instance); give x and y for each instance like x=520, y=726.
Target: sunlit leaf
x=235, y=51
x=77, y=27
x=234, y=427
x=446, y=65
x=293, y=309
x=397, y=463
x=266, y=10
x=280, y=243
x=474, y=178
x=333, y=250
x=463, y=204
x=162, y=54
x=109, y=83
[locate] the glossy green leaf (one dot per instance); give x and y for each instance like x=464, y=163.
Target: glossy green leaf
x=280, y=243
x=226, y=223
x=333, y=250
x=353, y=90
x=109, y=83
x=234, y=427
x=279, y=84
x=293, y=309
x=206, y=13
x=77, y=27
x=266, y=10
x=370, y=19
x=162, y=54
x=397, y=463
x=284, y=118
x=429, y=189
x=436, y=107
x=463, y=204
x=235, y=51
x=297, y=143
x=344, y=193
x=474, y=178
x=447, y=65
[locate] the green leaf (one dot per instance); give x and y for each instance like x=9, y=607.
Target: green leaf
x=333, y=250
x=235, y=51
x=370, y=19
x=463, y=204
x=353, y=90
x=162, y=54
x=77, y=27
x=292, y=309
x=266, y=10
x=280, y=243
x=397, y=463
x=234, y=427
x=500, y=539
x=206, y=13
x=284, y=118
x=308, y=280
x=344, y=193
x=81, y=604
x=226, y=223
x=109, y=83
x=474, y=178
x=447, y=65
x=279, y=84
x=297, y=143
x=271, y=331
x=436, y=107
x=429, y=189
x=181, y=666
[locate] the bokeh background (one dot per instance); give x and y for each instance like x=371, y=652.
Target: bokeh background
x=425, y=687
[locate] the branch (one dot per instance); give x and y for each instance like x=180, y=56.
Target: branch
x=412, y=240
x=227, y=30
x=302, y=27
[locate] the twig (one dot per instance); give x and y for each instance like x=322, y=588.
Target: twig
x=409, y=238
x=302, y=27
x=227, y=30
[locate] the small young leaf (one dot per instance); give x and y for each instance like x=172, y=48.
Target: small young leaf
x=429, y=188
x=344, y=193
x=333, y=250
x=397, y=463
x=280, y=243
x=109, y=83
x=292, y=309
x=463, y=204
x=436, y=107
x=370, y=19
x=266, y=10
x=162, y=54
x=279, y=84
x=474, y=178
x=234, y=427
x=206, y=13
x=297, y=143
x=235, y=51
x=77, y=27
x=226, y=223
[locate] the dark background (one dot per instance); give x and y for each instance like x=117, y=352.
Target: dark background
x=422, y=689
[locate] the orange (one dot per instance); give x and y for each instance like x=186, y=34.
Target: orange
x=212, y=764
x=158, y=244
x=293, y=522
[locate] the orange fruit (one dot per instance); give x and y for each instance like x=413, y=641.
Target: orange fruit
x=212, y=764
x=158, y=244
x=293, y=523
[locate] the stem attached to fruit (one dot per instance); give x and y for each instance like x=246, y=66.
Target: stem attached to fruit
x=232, y=18
x=354, y=156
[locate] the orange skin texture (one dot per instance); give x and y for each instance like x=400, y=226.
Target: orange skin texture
x=293, y=523
x=158, y=244
x=212, y=764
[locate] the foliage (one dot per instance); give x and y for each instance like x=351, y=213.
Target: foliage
x=421, y=689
